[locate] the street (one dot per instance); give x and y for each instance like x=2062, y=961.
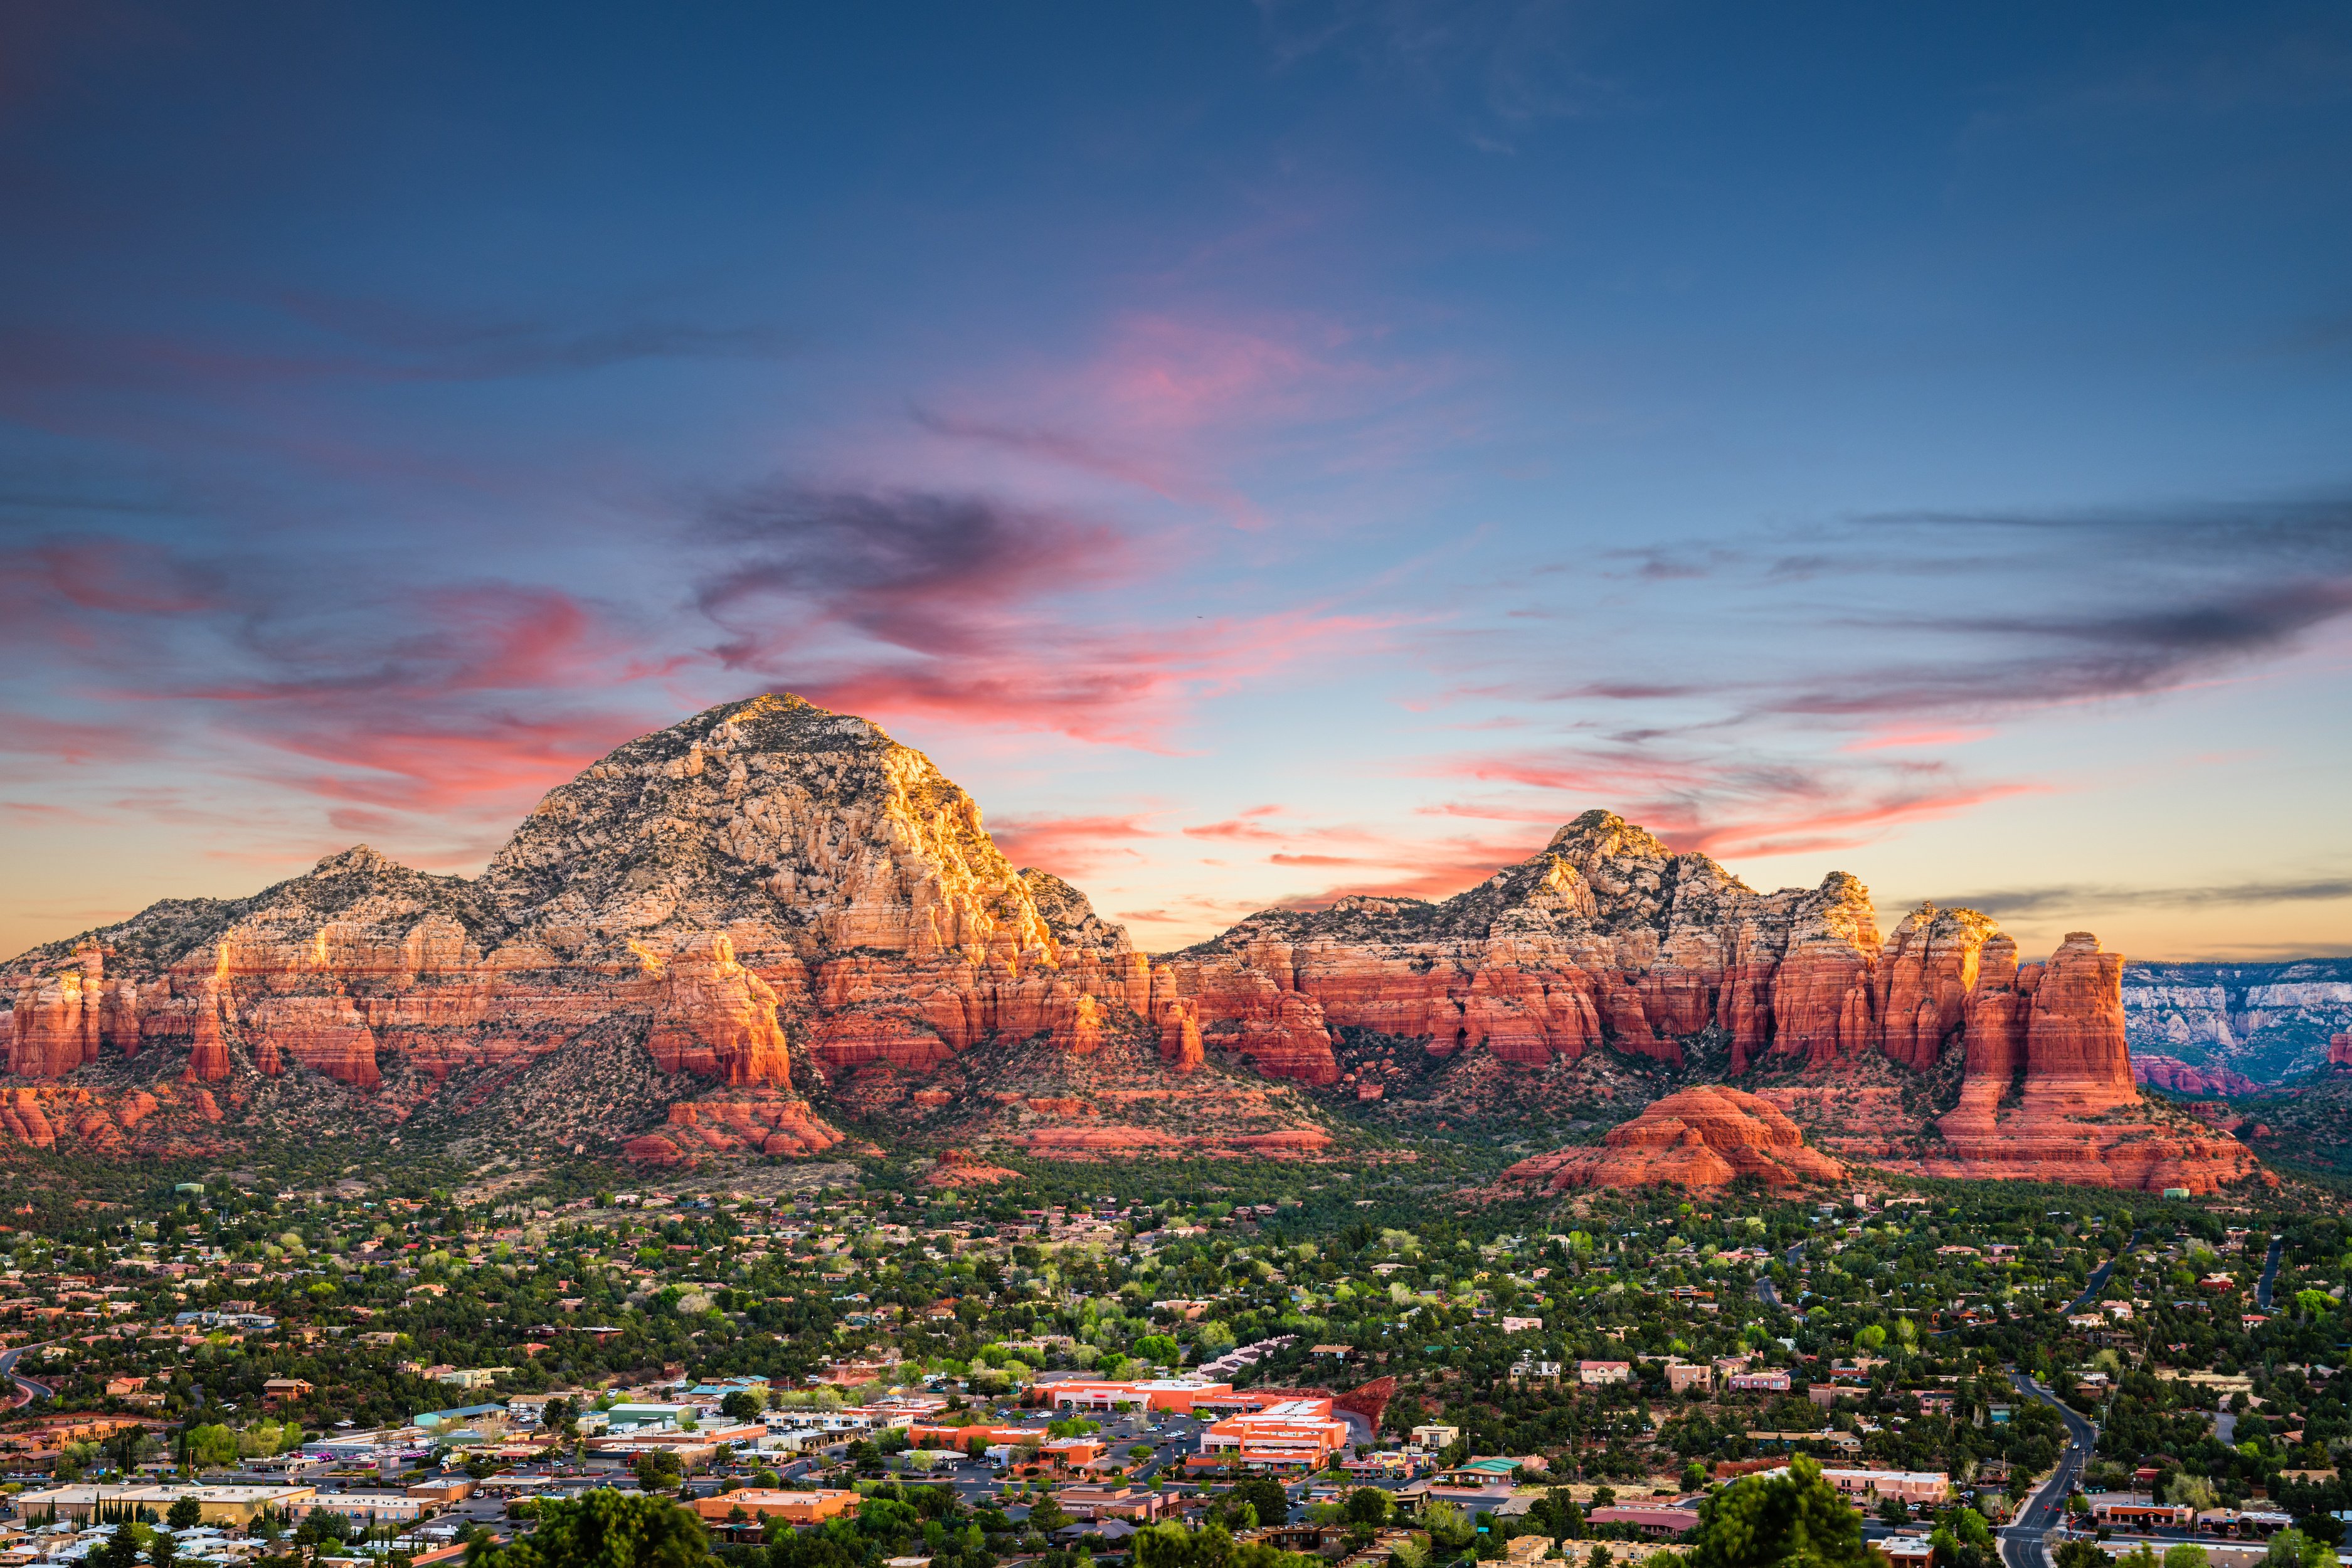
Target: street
x=2270, y=1274
x=23, y=1391
x=2098, y=1280
x=2021, y=1542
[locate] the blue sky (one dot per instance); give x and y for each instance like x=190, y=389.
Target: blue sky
x=1261, y=451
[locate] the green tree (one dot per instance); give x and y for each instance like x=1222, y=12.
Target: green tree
x=742, y=1405
x=1266, y=1495
x=2185, y=1555
x=1366, y=1505
x=1797, y=1518
x=2294, y=1549
x=602, y=1529
x=1173, y=1546
x=1160, y=1350
x=186, y=1513
x=1448, y=1526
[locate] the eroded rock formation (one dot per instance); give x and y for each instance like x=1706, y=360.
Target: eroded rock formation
x=764, y=878
x=769, y=901
x=2184, y=1077
x=1706, y=1137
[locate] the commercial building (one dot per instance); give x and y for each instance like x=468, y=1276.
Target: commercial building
x=793, y=1508
x=1291, y=1435
x=1912, y=1487
x=1176, y=1394
x=237, y=1505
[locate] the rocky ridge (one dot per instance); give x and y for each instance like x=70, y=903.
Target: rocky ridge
x=769, y=921
x=767, y=899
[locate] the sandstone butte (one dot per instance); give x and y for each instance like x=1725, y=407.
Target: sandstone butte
x=2339, y=1050
x=1701, y=1138
x=774, y=901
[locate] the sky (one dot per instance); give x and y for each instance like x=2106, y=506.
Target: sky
x=1263, y=452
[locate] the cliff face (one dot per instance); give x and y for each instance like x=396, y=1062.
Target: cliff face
x=2269, y=1023
x=1706, y=1137
x=1606, y=938
x=763, y=878
x=2182, y=1078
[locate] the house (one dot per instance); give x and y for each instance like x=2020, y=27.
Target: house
x=1683, y=1374
x=471, y=1376
x=1771, y=1381
x=1593, y=1374
x=1522, y=1325
x=1432, y=1437
x=278, y=1390
x=1651, y=1523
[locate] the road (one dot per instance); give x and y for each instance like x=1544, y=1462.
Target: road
x=1769, y=1293
x=2270, y=1274
x=23, y=1391
x=2099, y=1276
x=2021, y=1543
x=2225, y=1426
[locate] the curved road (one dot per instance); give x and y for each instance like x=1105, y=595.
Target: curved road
x=2021, y=1543
x=2098, y=1280
x=2270, y=1274
x=23, y=1391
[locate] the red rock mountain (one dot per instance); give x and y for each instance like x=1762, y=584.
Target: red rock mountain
x=764, y=879
x=742, y=932
x=1705, y=1137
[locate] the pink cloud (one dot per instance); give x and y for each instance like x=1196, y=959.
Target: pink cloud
x=1724, y=805
x=1069, y=847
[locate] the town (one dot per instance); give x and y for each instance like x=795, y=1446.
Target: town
x=1366, y=1372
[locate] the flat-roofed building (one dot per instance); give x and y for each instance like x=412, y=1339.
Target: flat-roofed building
x=1876, y=1486
x=1292, y=1434
x=237, y=1505
x=793, y=1508
x=1176, y=1394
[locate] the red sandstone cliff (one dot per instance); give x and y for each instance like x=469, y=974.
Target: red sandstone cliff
x=764, y=879
x=1701, y=1138
x=770, y=900
x=2182, y=1078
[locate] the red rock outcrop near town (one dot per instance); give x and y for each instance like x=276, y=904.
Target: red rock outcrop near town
x=2339, y=1050
x=771, y=907
x=764, y=879
x=1706, y=1137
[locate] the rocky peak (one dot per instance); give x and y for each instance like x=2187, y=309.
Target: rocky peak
x=790, y=826
x=359, y=860
x=1070, y=914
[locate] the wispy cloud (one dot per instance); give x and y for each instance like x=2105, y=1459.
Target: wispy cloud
x=2017, y=903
